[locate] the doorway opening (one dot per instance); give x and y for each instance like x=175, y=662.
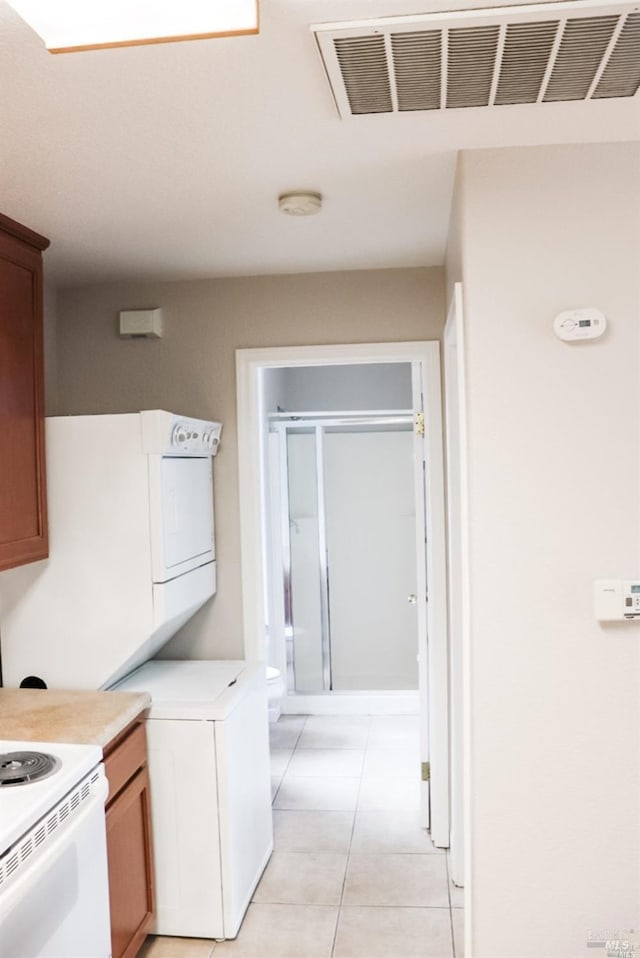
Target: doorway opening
x=264, y=585
x=343, y=512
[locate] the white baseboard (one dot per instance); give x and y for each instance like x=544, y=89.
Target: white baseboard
x=351, y=703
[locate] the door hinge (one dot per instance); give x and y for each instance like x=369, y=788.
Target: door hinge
x=426, y=771
x=418, y=422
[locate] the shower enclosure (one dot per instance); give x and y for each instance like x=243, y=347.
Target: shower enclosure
x=348, y=530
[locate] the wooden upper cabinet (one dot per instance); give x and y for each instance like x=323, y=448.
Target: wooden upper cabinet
x=23, y=503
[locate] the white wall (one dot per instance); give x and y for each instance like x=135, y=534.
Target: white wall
x=554, y=462
x=331, y=388
x=274, y=390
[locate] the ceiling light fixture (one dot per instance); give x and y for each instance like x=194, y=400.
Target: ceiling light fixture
x=69, y=26
x=301, y=203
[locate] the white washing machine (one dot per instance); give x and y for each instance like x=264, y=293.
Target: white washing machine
x=131, y=525
x=208, y=741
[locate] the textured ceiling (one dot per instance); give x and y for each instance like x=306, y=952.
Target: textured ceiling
x=165, y=162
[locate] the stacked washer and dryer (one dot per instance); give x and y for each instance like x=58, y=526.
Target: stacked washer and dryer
x=132, y=558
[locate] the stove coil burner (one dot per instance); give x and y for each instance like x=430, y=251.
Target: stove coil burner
x=22, y=768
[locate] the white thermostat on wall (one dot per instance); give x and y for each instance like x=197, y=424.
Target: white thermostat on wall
x=617, y=599
x=577, y=324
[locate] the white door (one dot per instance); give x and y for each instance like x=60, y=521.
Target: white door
x=182, y=526
x=433, y=672
x=458, y=574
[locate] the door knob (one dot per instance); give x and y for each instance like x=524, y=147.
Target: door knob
x=412, y=599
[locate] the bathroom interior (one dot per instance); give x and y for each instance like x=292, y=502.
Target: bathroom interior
x=340, y=532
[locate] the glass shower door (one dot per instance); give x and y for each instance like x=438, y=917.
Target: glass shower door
x=351, y=559
x=306, y=598
x=371, y=536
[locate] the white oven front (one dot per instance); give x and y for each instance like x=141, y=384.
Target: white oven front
x=54, y=893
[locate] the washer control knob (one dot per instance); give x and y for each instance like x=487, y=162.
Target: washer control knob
x=179, y=435
x=210, y=439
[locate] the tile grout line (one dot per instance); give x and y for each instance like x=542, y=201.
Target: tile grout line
x=335, y=927
x=453, y=939
x=295, y=745
x=353, y=828
x=273, y=800
x=286, y=769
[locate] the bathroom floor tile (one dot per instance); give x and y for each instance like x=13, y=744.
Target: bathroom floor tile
x=338, y=762
x=392, y=763
x=393, y=933
x=280, y=758
x=457, y=896
x=457, y=915
x=394, y=731
x=321, y=794
x=283, y=931
x=275, y=785
x=398, y=880
x=302, y=878
x=286, y=731
x=332, y=731
x=311, y=831
x=389, y=794
x=317, y=722
x=378, y=832
x=158, y=946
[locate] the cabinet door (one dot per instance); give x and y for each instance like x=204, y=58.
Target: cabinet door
x=23, y=519
x=130, y=867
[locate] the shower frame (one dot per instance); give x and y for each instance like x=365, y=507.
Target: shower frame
x=318, y=423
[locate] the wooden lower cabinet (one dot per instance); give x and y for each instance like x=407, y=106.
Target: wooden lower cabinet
x=129, y=848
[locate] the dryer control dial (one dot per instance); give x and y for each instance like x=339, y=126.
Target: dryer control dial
x=210, y=439
x=179, y=434
x=168, y=434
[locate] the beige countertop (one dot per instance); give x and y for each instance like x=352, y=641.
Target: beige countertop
x=50, y=715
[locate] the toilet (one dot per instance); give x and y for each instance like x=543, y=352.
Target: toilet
x=275, y=691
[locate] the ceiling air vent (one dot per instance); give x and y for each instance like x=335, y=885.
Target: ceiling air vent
x=543, y=53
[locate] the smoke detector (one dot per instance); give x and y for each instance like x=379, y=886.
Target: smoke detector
x=304, y=203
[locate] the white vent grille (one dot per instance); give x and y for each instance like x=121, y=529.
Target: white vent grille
x=544, y=53
x=525, y=57
x=363, y=65
x=621, y=73
x=12, y=862
x=417, y=65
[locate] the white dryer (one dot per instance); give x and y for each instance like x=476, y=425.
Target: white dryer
x=208, y=741
x=132, y=549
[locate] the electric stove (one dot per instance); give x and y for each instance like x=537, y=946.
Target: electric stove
x=34, y=776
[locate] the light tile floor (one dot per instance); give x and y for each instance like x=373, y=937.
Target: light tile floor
x=352, y=873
